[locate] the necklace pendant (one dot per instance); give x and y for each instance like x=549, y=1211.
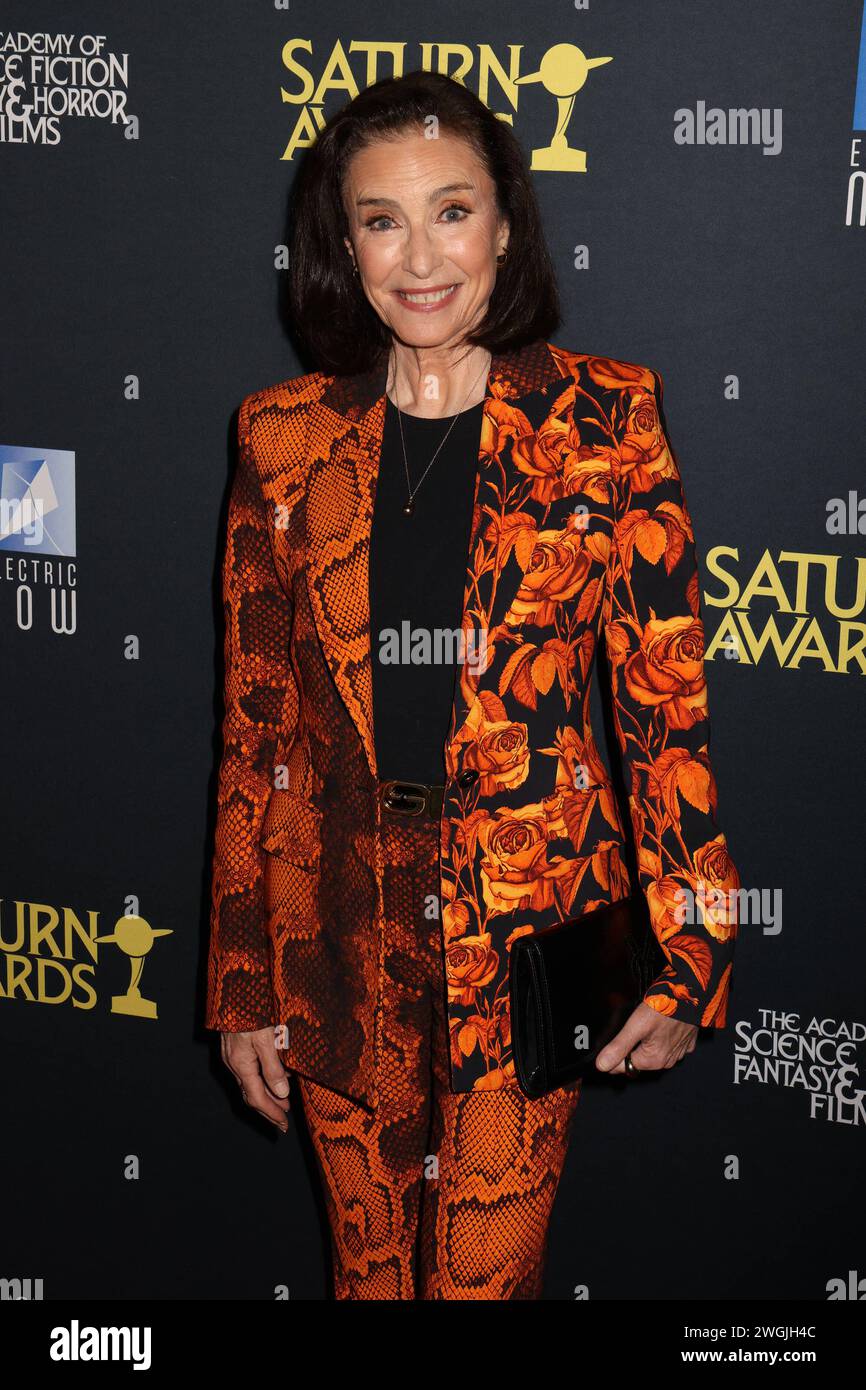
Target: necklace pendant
x=409, y=507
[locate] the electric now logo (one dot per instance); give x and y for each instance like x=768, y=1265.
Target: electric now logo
x=76, y=1343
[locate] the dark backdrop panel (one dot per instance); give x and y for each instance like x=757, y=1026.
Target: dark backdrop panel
x=142, y=297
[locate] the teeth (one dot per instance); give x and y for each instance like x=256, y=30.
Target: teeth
x=426, y=298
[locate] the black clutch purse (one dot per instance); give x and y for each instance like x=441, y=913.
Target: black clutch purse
x=572, y=987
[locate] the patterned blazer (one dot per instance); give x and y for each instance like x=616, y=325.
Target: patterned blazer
x=580, y=532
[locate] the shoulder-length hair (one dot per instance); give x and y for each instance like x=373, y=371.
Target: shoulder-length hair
x=330, y=311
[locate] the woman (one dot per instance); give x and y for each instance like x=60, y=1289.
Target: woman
x=446, y=471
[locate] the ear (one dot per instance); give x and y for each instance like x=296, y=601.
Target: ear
x=348, y=244
x=503, y=234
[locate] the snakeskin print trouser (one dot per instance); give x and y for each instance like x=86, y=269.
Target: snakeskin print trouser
x=432, y=1195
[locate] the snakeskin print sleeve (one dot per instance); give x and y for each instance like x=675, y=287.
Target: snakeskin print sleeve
x=655, y=649
x=258, y=617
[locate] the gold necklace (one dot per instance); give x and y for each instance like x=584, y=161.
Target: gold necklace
x=409, y=507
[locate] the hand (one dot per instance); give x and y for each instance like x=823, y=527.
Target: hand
x=655, y=1041
x=252, y=1059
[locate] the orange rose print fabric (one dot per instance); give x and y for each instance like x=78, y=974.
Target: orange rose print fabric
x=583, y=533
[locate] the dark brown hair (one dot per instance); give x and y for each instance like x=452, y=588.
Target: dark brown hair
x=330, y=312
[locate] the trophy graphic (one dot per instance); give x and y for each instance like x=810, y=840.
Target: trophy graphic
x=135, y=937
x=564, y=70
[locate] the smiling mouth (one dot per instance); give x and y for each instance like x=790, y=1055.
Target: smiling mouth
x=426, y=296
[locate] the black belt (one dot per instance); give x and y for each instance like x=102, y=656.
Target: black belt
x=412, y=798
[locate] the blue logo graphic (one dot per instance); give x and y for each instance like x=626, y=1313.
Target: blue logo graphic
x=37, y=501
x=860, y=94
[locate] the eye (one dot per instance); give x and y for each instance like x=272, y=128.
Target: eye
x=380, y=217
x=456, y=207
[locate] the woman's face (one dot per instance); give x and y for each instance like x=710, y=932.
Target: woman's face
x=423, y=217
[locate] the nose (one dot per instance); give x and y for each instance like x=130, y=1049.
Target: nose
x=421, y=255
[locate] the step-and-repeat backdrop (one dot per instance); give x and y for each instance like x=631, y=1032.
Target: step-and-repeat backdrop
x=705, y=203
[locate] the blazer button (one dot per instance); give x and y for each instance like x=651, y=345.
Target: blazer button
x=468, y=778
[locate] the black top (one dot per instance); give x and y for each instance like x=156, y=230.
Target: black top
x=417, y=578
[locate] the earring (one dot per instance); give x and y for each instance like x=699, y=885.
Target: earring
x=502, y=256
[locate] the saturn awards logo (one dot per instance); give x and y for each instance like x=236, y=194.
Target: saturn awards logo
x=562, y=74
x=50, y=956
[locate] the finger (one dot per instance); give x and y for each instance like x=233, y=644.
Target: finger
x=278, y=1087
x=637, y=1032
x=663, y=1041
x=611, y=1058
x=641, y=1060
x=238, y=1054
x=245, y=1062
x=257, y=1095
x=282, y=1101
x=273, y=1070
x=654, y=1052
x=677, y=1055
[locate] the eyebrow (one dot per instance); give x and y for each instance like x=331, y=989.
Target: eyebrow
x=437, y=193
